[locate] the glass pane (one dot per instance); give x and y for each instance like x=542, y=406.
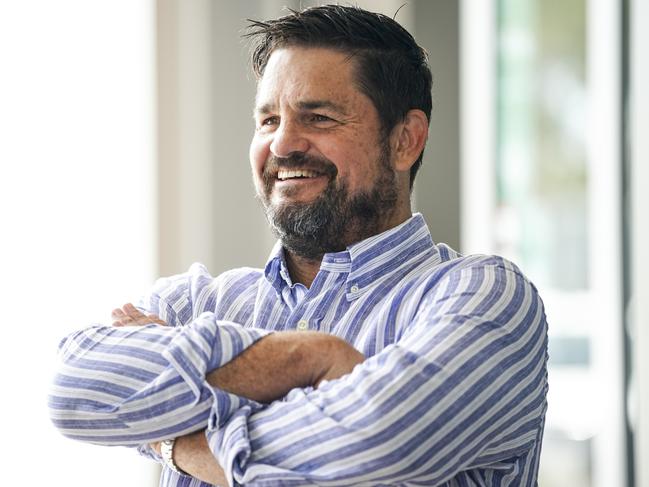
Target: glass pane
x=542, y=204
x=541, y=151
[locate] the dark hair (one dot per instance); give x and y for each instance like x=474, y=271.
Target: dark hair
x=392, y=70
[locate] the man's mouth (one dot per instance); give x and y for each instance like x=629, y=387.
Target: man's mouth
x=284, y=174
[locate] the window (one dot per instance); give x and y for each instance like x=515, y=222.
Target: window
x=541, y=186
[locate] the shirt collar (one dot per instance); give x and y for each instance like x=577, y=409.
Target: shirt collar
x=365, y=261
x=276, y=271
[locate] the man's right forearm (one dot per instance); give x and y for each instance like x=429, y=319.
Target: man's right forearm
x=282, y=361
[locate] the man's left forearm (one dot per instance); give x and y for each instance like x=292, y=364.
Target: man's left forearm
x=193, y=456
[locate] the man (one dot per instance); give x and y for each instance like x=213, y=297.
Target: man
x=363, y=354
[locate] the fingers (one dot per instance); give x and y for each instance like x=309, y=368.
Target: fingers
x=129, y=315
x=119, y=317
x=133, y=312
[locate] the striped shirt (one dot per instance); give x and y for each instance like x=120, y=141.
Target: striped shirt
x=453, y=390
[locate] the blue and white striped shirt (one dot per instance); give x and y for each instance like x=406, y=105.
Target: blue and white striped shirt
x=453, y=390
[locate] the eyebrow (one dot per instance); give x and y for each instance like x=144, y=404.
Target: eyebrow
x=304, y=105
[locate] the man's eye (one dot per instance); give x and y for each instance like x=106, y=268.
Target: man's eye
x=270, y=121
x=320, y=118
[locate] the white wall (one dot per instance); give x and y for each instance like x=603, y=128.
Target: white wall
x=76, y=212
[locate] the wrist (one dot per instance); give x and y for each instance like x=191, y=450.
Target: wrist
x=193, y=456
x=333, y=358
x=167, y=454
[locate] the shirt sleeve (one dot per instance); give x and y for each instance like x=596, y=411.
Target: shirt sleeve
x=139, y=384
x=464, y=386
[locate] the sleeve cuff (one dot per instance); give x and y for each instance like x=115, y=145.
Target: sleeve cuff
x=204, y=346
x=146, y=451
x=230, y=442
x=207, y=344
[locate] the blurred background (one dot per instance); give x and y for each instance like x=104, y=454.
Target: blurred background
x=124, y=131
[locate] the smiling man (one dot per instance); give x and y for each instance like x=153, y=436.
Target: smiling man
x=364, y=353
x=327, y=172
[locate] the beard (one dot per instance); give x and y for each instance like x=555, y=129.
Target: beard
x=336, y=218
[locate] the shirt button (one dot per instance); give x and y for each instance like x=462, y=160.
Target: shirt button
x=354, y=288
x=302, y=325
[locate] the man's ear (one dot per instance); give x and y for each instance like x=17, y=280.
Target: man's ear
x=408, y=139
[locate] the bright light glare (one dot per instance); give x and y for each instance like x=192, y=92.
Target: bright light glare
x=77, y=212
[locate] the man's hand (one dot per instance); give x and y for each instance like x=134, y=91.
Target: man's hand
x=129, y=315
x=340, y=360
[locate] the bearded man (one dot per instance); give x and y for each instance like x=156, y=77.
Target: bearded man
x=364, y=353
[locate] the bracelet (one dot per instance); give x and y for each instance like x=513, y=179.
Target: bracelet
x=167, y=453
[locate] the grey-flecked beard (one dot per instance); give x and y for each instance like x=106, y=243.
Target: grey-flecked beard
x=334, y=220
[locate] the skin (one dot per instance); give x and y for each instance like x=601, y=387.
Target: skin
x=307, y=102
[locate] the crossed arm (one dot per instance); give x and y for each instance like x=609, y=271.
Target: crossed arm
x=265, y=371
x=463, y=387
x=284, y=360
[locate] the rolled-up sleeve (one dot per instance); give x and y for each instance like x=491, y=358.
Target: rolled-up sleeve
x=139, y=384
x=464, y=386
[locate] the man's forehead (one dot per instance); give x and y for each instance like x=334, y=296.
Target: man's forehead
x=307, y=78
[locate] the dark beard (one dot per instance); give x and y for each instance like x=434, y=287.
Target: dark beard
x=335, y=219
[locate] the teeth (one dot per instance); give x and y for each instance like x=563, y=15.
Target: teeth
x=284, y=174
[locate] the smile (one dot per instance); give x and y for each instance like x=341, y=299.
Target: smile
x=283, y=175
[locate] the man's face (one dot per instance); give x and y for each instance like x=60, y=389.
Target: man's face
x=321, y=167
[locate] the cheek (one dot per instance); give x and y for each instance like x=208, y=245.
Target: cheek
x=354, y=163
x=258, y=153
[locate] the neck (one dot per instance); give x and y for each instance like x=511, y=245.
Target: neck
x=303, y=269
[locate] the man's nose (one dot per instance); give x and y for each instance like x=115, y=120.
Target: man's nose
x=288, y=139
